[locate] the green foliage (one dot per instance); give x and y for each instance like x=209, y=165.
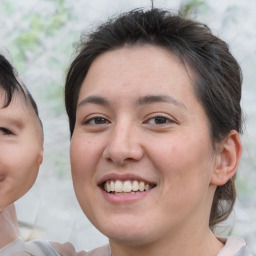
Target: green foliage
x=6, y=7
x=40, y=27
x=53, y=94
x=190, y=8
x=28, y=39
x=39, y=40
x=60, y=164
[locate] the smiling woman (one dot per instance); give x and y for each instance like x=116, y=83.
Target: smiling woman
x=153, y=101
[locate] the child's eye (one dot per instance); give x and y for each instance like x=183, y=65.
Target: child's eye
x=96, y=121
x=5, y=131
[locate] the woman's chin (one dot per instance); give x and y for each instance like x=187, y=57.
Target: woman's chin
x=128, y=234
x=132, y=239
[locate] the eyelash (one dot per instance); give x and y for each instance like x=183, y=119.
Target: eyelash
x=98, y=120
x=160, y=118
x=95, y=119
x=6, y=131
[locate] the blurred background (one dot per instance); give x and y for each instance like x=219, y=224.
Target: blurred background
x=38, y=37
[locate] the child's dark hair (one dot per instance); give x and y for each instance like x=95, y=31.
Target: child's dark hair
x=9, y=84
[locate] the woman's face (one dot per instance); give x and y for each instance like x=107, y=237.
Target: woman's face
x=141, y=152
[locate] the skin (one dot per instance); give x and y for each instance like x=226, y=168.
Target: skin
x=9, y=225
x=21, y=154
x=138, y=119
x=21, y=149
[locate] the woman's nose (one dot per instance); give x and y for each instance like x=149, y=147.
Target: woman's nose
x=123, y=145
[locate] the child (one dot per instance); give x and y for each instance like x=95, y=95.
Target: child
x=21, y=154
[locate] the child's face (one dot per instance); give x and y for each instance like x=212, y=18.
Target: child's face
x=138, y=121
x=21, y=148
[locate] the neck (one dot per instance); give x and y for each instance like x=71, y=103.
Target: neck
x=205, y=244
x=9, y=229
x=189, y=237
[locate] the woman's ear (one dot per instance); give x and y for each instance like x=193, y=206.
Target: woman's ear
x=227, y=160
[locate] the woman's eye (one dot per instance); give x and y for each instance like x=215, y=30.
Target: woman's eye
x=96, y=121
x=5, y=131
x=159, y=120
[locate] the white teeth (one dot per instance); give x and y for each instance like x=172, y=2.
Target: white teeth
x=141, y=186
x=106, y=187
x=118, y=186
x=112, y=186
x=135, y=185
x=126, y=186
x=109, y=186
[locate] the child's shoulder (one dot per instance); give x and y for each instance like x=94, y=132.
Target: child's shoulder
x=234, y=246
x=39, y=247
x=34, y=247
x=100, y=251
x=67, y=249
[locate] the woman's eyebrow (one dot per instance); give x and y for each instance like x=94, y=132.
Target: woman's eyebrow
x=94, y=100
x=149, y=99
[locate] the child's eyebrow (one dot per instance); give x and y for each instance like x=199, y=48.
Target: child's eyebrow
x=11, y=121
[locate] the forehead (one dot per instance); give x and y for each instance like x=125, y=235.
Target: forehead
x=16, y=95
x=138, y=67
x=19, y=107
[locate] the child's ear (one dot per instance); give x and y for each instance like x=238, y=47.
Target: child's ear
x=227, y=160
x=41, y=157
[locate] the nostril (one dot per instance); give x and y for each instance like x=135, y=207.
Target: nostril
x=123, y=154
x=122, y=144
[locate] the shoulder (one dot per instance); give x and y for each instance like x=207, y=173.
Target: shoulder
x=234, y=246
x=101, y=251
x=67, y=249
x=12, y=247
x=34, y=247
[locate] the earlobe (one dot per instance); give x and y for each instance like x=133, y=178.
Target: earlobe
x=228, y=159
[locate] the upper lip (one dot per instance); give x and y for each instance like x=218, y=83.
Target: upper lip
x=123, y=177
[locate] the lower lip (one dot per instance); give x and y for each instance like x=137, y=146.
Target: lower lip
x=125, y=198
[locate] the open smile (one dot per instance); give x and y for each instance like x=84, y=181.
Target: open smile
x=119, y=187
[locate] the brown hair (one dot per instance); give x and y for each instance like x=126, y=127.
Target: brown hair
x=218, y=75
x=9, y=84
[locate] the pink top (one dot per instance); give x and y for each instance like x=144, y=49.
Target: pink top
x=234, y=246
